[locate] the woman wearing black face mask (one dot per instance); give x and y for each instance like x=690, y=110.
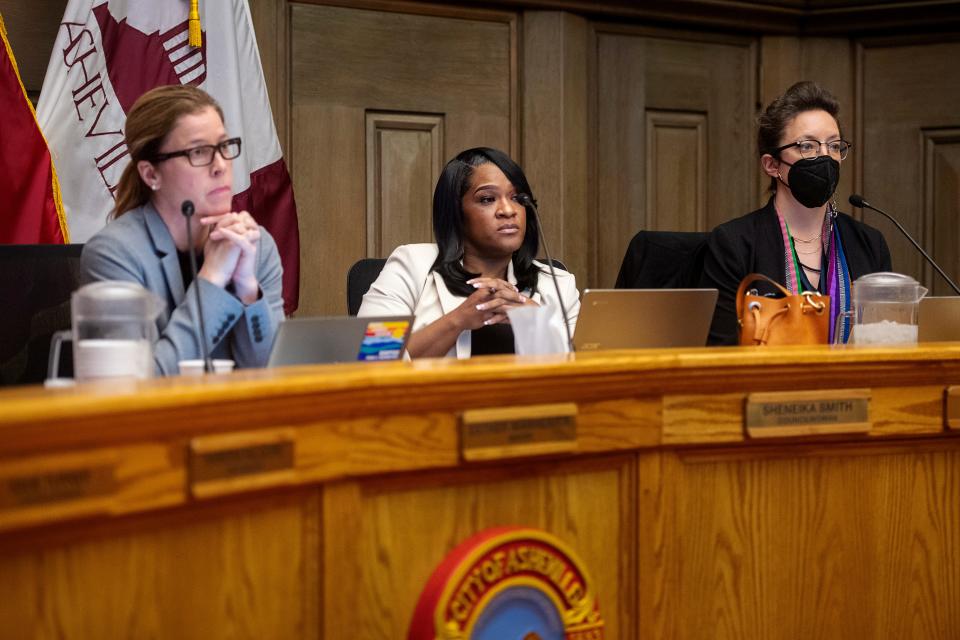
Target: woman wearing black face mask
x=799, y=238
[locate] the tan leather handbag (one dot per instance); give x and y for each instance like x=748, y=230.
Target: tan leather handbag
x=792, y=319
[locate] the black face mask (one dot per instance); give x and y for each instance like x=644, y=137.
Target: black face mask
x=813, y=181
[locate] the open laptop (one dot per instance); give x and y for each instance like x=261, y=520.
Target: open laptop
x=638, y=318
x=340, y=339
x=939, y=319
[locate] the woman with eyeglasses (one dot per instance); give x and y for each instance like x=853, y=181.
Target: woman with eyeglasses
x=180, y=151
x=799, y=238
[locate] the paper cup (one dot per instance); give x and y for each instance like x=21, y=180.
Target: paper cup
x=195, y=367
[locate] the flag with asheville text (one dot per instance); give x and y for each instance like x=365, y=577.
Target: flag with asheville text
x=108, y=53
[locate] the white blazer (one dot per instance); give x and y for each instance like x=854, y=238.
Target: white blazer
x=407, y=286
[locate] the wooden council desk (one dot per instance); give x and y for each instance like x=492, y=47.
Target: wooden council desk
x=133, y=513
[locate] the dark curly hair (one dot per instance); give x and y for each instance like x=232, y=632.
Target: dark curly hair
x=802, y=96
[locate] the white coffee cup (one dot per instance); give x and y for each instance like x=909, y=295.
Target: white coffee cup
x=195, y=367
x=109, y=358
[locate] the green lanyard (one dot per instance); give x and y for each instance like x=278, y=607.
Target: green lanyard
x=796, y=260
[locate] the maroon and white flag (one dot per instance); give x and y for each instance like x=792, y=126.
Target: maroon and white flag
x=108, y=53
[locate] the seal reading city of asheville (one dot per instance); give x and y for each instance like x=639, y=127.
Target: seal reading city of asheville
x=506, y=583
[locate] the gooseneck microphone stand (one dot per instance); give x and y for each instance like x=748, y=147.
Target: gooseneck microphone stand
x=860, y=203
x=187, y=210
x=525, y=200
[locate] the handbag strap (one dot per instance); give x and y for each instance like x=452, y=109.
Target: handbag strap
x=749, y=280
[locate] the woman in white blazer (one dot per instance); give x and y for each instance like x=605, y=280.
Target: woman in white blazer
x=482, y=264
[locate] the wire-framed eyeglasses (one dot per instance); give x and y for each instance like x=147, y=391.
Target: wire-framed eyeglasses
x=810, y=149
x=202, y=156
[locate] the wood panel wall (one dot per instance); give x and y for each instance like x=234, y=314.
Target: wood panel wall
x=620, y=125
x=379, y=102
x=673, y=135
x=909, y=133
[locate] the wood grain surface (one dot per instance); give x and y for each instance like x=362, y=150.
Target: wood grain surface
x=33, y=418
x=108, y=480
x=363, y=188
x=247, y=574
x=684, y=523
x=851, y=542
x=398, y=533
x=907, y=90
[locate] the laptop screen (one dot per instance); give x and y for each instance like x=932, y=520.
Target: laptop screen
x=340, y=339
x=644, y=318
x=384, y=340
x=939, y=319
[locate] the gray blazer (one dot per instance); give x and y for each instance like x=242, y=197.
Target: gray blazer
x=137, y=247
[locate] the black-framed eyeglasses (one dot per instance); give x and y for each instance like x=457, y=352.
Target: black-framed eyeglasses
x=810, y=149
x=202, y=156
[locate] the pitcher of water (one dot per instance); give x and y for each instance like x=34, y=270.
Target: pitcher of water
x=114, y=328
x=884, y=309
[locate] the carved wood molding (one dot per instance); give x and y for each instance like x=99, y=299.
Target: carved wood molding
x=806, y=17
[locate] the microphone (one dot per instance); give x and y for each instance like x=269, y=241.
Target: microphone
x=860, y=203
x=525, y=200
x=187, y=209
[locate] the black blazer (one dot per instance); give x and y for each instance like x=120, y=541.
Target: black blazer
x=754, y=244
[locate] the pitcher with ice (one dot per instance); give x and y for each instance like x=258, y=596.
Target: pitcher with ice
x=114, y=328
x=884, y=309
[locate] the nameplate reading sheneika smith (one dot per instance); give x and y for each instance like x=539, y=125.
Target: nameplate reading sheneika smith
x=802, y=413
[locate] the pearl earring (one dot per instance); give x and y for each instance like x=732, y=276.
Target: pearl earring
x=154, y=186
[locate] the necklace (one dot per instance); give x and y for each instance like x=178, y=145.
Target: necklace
x=810, y=269
x=808, y=240
x=813, y=251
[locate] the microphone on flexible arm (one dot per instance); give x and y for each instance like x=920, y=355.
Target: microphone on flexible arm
x=860, y=203
x=525, y=200
x=187, y=209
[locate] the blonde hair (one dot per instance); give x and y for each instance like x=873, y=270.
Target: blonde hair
x=151, y=119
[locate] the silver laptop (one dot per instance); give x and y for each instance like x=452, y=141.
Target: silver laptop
x=939, y=319
x=638, y=318
x=340, y=339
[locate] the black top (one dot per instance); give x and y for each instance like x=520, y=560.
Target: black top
x=491, y=340
x=185, y=271
x=754, y=244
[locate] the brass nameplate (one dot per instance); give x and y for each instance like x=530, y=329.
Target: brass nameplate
x=952, y=413
x=249, y=460
x=491, y=434
x=803, y=413
x=64, y=485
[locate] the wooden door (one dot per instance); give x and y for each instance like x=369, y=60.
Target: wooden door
x=379, y=102
x=675, y=136
x=910, y=150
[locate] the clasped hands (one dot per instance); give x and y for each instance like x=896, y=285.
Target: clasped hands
x=490, y=302
x=230, y=253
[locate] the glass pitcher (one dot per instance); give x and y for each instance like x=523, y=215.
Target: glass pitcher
x=114, y=329
x=884, y=309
